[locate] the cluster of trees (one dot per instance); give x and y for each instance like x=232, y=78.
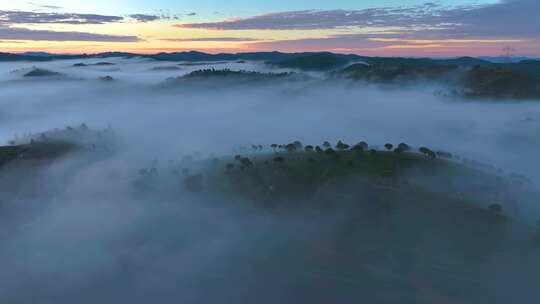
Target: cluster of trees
x=257, y=147
x=292, y=147
x=229, y=72
x=427, y=152
x=362, y=146
x=245, y=162
x=45, y=136
x=326, y=148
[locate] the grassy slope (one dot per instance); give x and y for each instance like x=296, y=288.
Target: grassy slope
x=408, y=181
x=304, y=172
x=388, y=73
x=313, y=62
x=34, y=152
x=402, y=230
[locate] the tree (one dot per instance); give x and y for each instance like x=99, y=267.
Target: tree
x=318, y=149
x=290, y=148
x=274, y=147
x=308, y=148
x=341, y=146
x=326, y=145
x=404, y=147
x=363, y=144
x=427, y=152
x=372, y=151
x=389, y=146
x=358, y=148
x=297, y=144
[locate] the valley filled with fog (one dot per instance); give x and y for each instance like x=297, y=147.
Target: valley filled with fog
x=75, y=230
x=214, y=119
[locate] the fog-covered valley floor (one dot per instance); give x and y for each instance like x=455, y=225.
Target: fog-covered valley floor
x=76, y=231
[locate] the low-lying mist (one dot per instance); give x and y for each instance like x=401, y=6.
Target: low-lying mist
x=214, y=119
x=85, y=236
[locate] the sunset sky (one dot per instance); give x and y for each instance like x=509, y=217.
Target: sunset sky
x=369, y=27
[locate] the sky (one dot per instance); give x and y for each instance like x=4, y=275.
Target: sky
x=437, y=28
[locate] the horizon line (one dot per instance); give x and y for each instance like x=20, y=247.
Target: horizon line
x=156, y=52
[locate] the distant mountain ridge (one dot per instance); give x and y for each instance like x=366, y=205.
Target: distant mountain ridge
x=274, y=57
x=301, y=60
x=471, y=76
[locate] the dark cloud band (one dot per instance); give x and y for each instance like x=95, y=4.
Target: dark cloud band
x=21, y=17
x=507, y=18
x=12, y=33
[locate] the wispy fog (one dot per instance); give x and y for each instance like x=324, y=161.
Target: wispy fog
x=88, y=238
x=215, y=119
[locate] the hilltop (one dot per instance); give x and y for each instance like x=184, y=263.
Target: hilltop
x=301, y=172
x=229, y=77
x=313, y=62
x=37, y=72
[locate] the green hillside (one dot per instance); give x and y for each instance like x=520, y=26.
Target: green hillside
x=395, y=72
x=34, y=152
x=301, y=173
x=502, y=81
x=227, y=77
x=312, y=62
